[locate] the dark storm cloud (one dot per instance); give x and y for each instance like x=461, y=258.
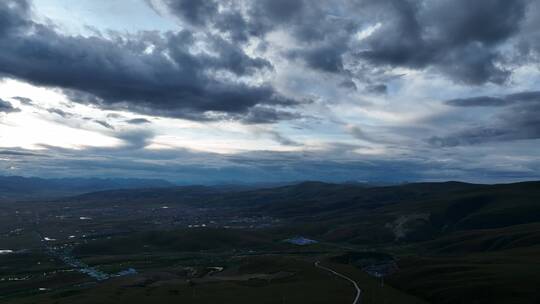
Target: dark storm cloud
x=458, y=38
x=19, y=153
x=204, y=14
x=138, y=121
x=349, y=84
x=492, y=101
x=104, y=124
x=277, y=11
x=377, y=89
x=471, y=136
x=480, y=101
x=532, y=96
x=518, y=119
x=159, y=74
x=259, y=115
x=135, y=139
x=7, y=107
x=13, y=16
x=24, y=100
x=194, y=11
x=60, y=112
x=146, y=72
x=327, y=58
x=323, y=39
x=419, y=34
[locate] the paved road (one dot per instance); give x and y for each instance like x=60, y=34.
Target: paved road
x=358, y=290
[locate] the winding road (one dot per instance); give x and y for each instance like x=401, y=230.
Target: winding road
x=358, y=290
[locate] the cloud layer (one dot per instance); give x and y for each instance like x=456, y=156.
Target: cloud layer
x=277, y=90
x=7, y=107
x=205, y=67
x=518, y=119
x=148, y=72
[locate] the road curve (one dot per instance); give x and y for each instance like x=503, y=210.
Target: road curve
x=358, y=290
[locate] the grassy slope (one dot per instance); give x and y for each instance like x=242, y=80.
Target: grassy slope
x=508, y=276
x=307, y=284
x=471, y=244
x=499, y=265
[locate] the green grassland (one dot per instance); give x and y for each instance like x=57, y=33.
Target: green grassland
x=451, y=243
x=251, y=279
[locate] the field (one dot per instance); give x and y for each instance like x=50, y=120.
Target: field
x=415, y=243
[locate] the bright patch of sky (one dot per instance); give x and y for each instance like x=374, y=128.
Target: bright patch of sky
x=52, y=120
x=124, y=16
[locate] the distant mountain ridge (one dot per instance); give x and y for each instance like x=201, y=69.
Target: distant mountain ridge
x=18, y=187
x=342, y=212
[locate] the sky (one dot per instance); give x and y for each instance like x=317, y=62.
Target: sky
x=240, y=91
